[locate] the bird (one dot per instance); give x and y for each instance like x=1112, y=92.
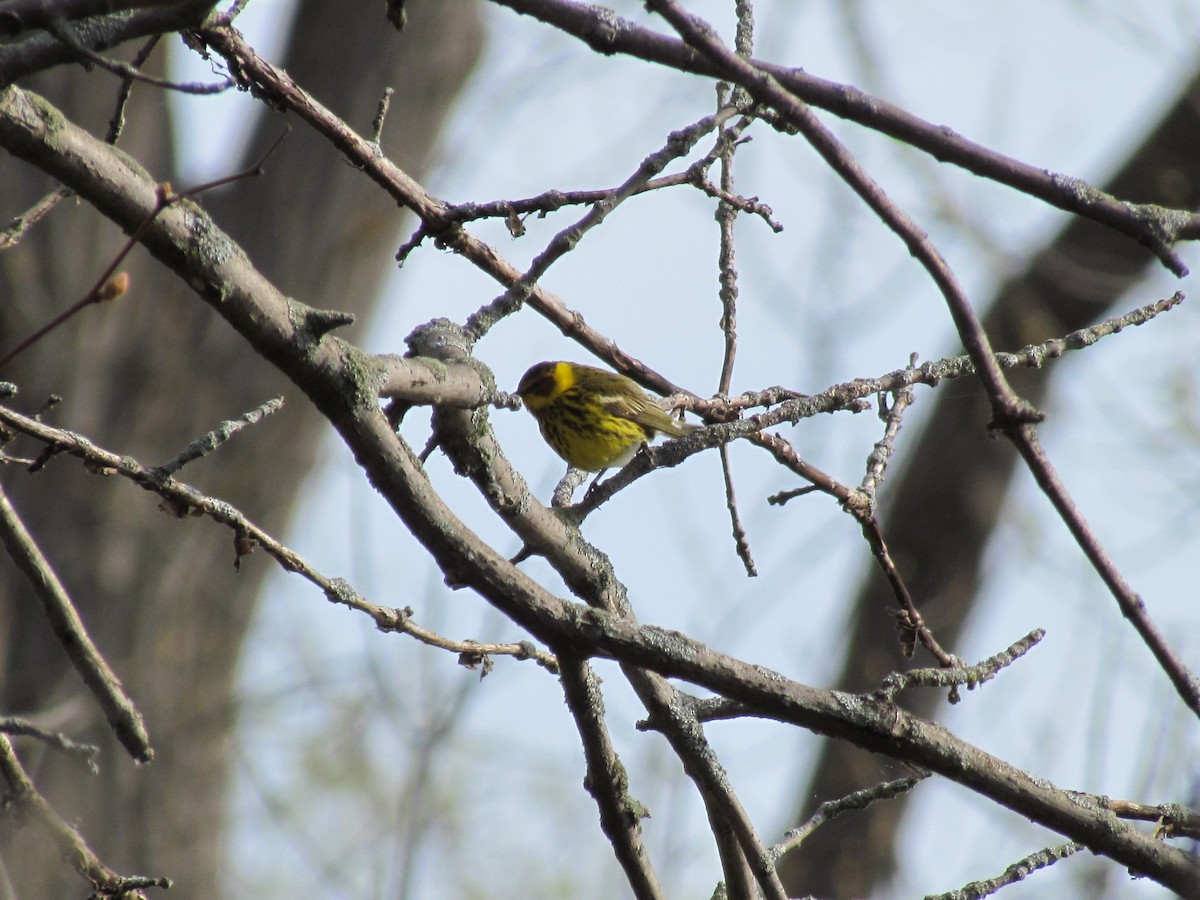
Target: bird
x=592, y=418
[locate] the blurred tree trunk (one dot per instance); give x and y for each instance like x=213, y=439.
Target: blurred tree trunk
x=945, y=503
x=150, y=373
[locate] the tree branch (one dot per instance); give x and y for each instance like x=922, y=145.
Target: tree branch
x=26, y=798
x=1153, y=226
x=41, y=50
x=343, y=383
x=100, y=679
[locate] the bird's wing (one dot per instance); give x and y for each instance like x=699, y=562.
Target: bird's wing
x=642, y=411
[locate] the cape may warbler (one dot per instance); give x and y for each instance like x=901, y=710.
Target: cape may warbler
x=592, y=418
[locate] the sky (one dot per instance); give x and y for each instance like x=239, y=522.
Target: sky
x=1068, y=86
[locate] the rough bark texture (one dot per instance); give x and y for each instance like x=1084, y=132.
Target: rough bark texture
x=938, y=515
x=150, y=373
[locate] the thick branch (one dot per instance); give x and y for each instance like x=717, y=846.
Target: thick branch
x=19, y=15
x=607, y=781
x=41, y=50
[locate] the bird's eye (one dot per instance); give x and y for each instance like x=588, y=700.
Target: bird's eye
x=538, y=384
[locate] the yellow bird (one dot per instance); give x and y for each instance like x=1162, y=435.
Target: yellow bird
x=592, y=418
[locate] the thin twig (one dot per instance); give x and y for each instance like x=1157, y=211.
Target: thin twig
x=513, y=211
x=1187, y=685
x=180, y=500
x=855, y=802
x=16, y=229
x=728, y=293
x=784, y=496
x=696, y=177
x=727, y=269
x=846, y=395
x=909, y=621
x=1018, y=871
x=24, y=728
x=62, y=32
x=209, y=442
x=678, y=143
x=857, y=503
x=381, y=112
x=1170, y=819
x=792, y=406
x=740, y=542
x=885, y=446
x=25, y=797
x=109, y=286
x=851, y=395
x=971, y=676
x=118, y=707
x=116, y=124
x=470, y=653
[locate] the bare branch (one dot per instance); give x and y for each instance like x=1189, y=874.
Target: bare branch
x=41, y=50
x=60, y=742
x=209, y=442
x=1152, y=226
x=118, y=707
x=831, y=809
x=343, y=382
x=1006, y=405
x=885, y=446
x=109, y=287
x=1187, y=685
x=472, y=448
x=1011, y=414
x=678, y=144
x=791, y=406
x=381, y=112
x=607, y=782
x=513, y=211
x=116, y=124
x=909, y=621
x=1014, y=873
x=26, y=798
x=437, y=215
x=740, y=541
x=180, y=500
x=727, y=275
x=16, y=229
x=959, y=674
x=129, y=73
x=21, y=15
x=1170, y=819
